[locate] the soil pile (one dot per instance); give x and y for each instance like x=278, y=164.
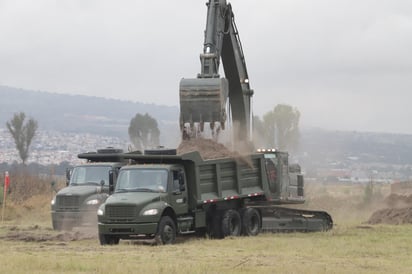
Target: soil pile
x=399, y=211
x=207, y=148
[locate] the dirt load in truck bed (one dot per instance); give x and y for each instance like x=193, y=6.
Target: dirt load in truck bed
x=207, y=148
x=399, y=211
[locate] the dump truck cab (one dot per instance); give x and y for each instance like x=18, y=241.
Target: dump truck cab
x=87, y=186
x=143, y=195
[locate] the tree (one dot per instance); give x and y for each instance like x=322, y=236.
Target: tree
x=282, y=127
x=287, y=126
x=143, y=131
x=22, y=133
x=259, y=138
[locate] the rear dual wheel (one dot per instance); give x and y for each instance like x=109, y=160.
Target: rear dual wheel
x=231, y=223
x=251, y=222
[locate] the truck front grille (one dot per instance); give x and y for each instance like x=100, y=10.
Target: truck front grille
x=123, y=213
x=68, y=202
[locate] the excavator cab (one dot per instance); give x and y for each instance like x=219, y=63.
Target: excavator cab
x=202, y=100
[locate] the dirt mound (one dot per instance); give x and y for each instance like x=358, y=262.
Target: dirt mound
x=399, y=211
x=207, y=148
x=393, y=216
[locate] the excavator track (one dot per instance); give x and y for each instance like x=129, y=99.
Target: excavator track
x=281, y=219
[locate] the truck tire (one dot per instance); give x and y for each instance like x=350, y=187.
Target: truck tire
x=166, y=231
x=108, y=239
x=57, y=225
x=251, y=222
x=201, y=232
x=214, y=225
x=231, y=223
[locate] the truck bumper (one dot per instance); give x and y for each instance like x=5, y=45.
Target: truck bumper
x=68, y=220
x=127, y=230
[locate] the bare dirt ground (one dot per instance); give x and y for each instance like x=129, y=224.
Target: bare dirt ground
x=37, y=233
x=398, y=211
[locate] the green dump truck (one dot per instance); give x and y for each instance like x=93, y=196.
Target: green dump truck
x=87, y=188
x=161, y=196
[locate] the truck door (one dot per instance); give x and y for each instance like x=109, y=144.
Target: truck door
x=179, y=191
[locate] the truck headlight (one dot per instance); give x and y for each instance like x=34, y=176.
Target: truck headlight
x=93, y=202
x=100, y=211
x=53, y=201
x=150, y=212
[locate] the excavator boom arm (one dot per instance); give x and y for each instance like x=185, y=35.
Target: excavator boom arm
x=204, y=98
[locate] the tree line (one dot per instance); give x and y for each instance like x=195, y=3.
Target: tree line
x=278, y=128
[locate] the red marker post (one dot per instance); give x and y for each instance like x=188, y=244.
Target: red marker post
x=5, y=188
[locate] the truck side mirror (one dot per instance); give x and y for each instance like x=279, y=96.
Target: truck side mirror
x=111, y=181
x=181, y=182
x=68, y=175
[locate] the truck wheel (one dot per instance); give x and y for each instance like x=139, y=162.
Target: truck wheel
x=214, y=225
x=231, y=223
x=251, y=222
x=201, y=232
x=108, y=240
x=166, y=231
x=57, y=225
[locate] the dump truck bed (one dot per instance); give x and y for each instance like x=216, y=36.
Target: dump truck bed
x=217, y=179
x=228, y=178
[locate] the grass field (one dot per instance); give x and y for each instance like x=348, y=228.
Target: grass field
x=29, y=245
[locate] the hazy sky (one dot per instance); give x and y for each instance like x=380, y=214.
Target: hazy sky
x=346, y=65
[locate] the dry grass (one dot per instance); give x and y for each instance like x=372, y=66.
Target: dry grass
x=378, y=249
x=351, y=247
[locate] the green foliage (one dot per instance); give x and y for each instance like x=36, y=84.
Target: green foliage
x=371, y=194
x=259, y=137
x=368, y=193
x=144, y=131
x=22, y=133
x=279, y=128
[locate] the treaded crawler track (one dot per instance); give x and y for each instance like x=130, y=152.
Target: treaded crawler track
x=281, y=219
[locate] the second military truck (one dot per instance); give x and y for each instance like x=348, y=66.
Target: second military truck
x=161, y=196
x=87, y=188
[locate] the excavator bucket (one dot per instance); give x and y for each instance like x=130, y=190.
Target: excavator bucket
x=203, y=100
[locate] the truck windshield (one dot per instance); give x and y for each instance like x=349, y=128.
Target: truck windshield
x=90, y=175
x=144, y=180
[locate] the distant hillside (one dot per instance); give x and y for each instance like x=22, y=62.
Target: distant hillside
x=76, y=113
x=364, y=147
x=108, y=117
